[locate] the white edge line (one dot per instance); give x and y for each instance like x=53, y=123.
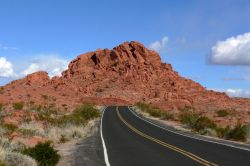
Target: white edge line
x=103, y=143
x=232, y=146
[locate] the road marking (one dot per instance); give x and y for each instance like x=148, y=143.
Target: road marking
x=193, y=137
x=188, y=154
x=103, y=143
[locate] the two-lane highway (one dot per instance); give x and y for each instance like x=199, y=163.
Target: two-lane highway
x=131, y=141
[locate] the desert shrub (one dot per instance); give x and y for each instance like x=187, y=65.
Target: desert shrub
x=154, y=111
x=2, y=130
x=8, y=145
x=222, y=132
x=47, y=114
x=27, y=132
x=167, y=116
x=196, y=122
x=18, y=106
x=238, y=133
x=32, y=128
x=14, y=159
x=80, y=115
x=189, y=118
x=143, y=107
x=2, y=163
x=70, y=131
x=10, y=127
x=203, y=123
x=44, y=154
x=63, y=139
x=222, y=113
x=1, y=106
x=86, y=111
x=45, y=97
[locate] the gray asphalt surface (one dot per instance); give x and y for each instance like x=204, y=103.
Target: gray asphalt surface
x=130, y=141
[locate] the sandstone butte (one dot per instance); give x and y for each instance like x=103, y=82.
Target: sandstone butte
x=127, y=74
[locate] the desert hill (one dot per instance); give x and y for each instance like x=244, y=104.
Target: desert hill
x=127, y=74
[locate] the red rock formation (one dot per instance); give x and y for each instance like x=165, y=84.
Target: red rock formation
x=127, y=74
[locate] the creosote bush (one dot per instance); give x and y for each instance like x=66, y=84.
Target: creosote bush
x=44, y=154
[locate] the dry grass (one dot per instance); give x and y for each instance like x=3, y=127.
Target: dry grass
x=10, y=158
x=69, y=132
x=48, y=123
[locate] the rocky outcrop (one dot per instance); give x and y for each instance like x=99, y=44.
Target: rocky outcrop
x=127, y=74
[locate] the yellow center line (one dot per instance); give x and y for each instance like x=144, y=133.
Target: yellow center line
x=188, y=154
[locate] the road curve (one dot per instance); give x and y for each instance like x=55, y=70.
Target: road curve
x=130, y=141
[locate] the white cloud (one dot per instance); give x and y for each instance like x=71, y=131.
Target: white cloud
x=49, y=63
x=159, y=46
x=232, y=51
x=6, y=68
x=235, y=92
x=238, y=92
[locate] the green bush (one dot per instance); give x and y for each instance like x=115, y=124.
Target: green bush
x=143, y=107
x=154, y=111
x=189, y=118
x=222, y=132
x=18, y=106
x=44, y=154
x=87, y=111
x=238, y=133
x=10, y=127
x=80, y=115
x=222, y=113
x=203, y=123
x=196, y=122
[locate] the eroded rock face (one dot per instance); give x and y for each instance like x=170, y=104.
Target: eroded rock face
x=127, y=74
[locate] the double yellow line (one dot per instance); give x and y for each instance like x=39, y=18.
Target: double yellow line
x=188, y=154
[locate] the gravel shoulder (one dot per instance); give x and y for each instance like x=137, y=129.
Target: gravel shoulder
x=84, y=152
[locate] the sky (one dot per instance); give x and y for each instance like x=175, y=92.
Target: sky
x=205, y=40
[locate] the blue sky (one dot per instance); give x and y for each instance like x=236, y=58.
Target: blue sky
x=201, y=36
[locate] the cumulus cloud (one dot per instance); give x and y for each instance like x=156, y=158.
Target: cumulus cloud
x=232, y=51
x=159, y=46
x=6, y=68
x=49, y=63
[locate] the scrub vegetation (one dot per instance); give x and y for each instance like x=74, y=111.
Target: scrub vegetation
x=48, y=125
x=155, y=112
x=199, y=123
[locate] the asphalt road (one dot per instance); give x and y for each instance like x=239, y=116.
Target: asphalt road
x=131, y=141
